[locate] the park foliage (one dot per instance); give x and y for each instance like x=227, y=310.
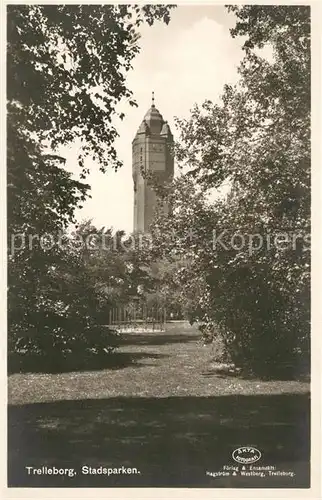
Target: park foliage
x=66, y=73
x=67, y=68
x=253, y=150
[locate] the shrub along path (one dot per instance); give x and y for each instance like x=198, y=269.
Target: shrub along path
x=164, y=410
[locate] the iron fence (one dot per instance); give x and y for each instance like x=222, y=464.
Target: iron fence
x=137, y=318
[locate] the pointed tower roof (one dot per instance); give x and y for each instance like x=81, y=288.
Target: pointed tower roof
x=153, y=114
x=153, y=123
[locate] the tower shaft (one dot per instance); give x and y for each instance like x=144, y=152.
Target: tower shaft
x=152, y=161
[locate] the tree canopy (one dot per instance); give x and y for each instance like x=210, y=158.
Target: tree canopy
x=249, y=250
x=66, y=74
x=67, y=68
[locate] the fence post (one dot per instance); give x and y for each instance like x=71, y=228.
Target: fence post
x=145, y=315
x=153, y=314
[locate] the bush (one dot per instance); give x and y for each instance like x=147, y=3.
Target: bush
x=255, y=147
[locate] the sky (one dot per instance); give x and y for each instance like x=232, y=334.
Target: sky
x=184, y=63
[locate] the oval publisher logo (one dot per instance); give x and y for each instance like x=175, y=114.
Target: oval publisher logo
x=246, y=455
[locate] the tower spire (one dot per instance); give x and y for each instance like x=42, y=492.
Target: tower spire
x=153, y=106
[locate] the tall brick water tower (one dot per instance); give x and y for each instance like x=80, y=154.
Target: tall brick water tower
x=151, y=153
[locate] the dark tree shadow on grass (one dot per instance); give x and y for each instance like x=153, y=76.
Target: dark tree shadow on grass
x=171, y=441
x=156, y=338
x=229, y=371
x=54, y=364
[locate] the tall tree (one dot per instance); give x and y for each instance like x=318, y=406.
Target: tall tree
x=257, y=141
x=66, y=74
x=67, y=68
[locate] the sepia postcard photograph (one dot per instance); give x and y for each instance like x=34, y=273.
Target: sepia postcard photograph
x=158, y=208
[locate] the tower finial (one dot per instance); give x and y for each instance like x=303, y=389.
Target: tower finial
x=153, y=99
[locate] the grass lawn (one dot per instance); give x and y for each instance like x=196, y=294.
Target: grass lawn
x=166, y=412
